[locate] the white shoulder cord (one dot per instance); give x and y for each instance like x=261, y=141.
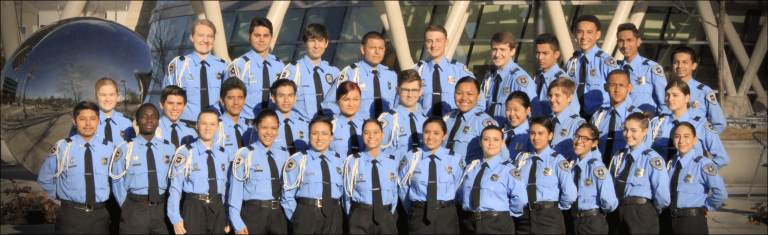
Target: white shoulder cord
x=524, y=156
x=421, y=67
x=448, y=115
x=343, y=71
x=299, y=177
x=247, y=164
x=333, y=124
x=395, y=126
x=158, y=133
x=600, y=118
x=669, y=164
x=297, y=77
x=471, y=165
x=349, y=184
x=65, y=158
x=414, y=161
x=656, y=128
x=356, y=79
x=487, y=86
x=129, y=146
x=184, y=169
x=221, y=133
x=616, y=159
x=572, y=66
x=181, y=72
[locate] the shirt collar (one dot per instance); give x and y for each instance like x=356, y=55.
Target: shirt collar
x=166, y=122
x=495, y=161
x=506, y=70
x=523, y=128
x=80, y=141
x=546, y=152
x=551, y=72
x=564, y=115
x=201, y=147
x=638, y=151
x=316, y=155
x=103, y=117
x=636, y=63
x=258, y=145
x=228, y=121
x=622, y=107
x=684, y=118
x=404, y=111
x=367, y=68
x=443, y=64
x=344, y=121
x=311, y=66
x=197, y=60
x=256, y=58
x=684, y=160
x=141, y=141
x=591, y=54
x=583, y=163
x=425, y=152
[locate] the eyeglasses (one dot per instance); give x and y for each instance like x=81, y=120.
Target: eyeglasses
x=406, y=91
x=583, y=139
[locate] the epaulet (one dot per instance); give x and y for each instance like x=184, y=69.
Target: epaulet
x=631, y=108
x=454, y=61
x=164, y=141
x=392, y=111
x=514, y=71
x=698, y=158
x=337, y=155
x=592, y=161
x=599, y=53
x=295, y=63
x=697, y=118
x=479, y=113
x=647, y=151
x=303, y=152
x=221, y=149
x=558, y=74
x=69, y=140
x=701, y=86
x=356, y=155
x=451, y=153
x=574, y=116
x=300, y=119
x=392, y=157
x=246, y=59
x=353, y=66
x=181, y=57
x=646, y=62
x=278, y=59
x=250, y=148
x=505, y=162
x=420, y=63
x=222, y=60
x=555, y=153
x=131, y=141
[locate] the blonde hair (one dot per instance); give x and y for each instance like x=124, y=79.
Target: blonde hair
x=105, y=81
x=204, y=22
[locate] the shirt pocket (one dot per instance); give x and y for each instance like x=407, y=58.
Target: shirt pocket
x=138, y=173
x=637, y=181
x=692, y=188
x=549, y=182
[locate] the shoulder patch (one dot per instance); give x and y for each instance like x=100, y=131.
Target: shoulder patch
x=600, y=172
x=523, y=81
x=383, y=122
x=710, y=128
x=516, y=173
x=564, y=165
x=658, y=70
x=581, y=122
x=171, y=68
x=54, y=151
x=710, y=169
x=118, y=154
x=285, y=74
x=610, y=61
x=290, y=165
x=488, y=122
x=403, y=162
x=462, y=164
x=343, y=77
x=657, y=163
x=239, y=161
x=712, y=98
x=179, y=159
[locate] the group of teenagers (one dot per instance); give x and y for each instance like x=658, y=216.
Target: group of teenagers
x=249, y=147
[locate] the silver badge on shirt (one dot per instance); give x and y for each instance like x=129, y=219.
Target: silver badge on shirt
x=639, y=172
x=467, y=129
x=451, y=79
x=688, y=178
x=495, y=178
x=547, y=171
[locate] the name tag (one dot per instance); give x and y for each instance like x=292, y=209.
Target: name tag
x=338, y=139
x=190, y=79
x=310, y=174
x=137, y=164
x=304, y=85
x=402, y=135
x=72, y=166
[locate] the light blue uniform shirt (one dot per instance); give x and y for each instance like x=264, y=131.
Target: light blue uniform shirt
x=363, y=191
x=704, y=104
x=595, y=184
x=258, y=185
x=306, y=97
x=450, y=73
x=647, y=177
x=709, y=141
x=197, y=182
x=70, y=185
x=513, y=78
x=312, y=184
x=604, y=116
x=518, y=139
x=229, y=140
x=184, y=71
x=696, y=179
x=466, y=142
x=557, y=185
x=136, y=179
x=553, y=74
x=342, y=142
x=253, y=77
x=299, y=131
x=501, y=188
x=449, y=171
x=122, y=127
x=648, y=83
x=397, y=138
x=565, y=127
x=186, y=134
x=362, y=74
x=598, y=66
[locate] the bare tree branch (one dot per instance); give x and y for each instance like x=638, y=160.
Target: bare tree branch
x=684, y=9
x=162, y=42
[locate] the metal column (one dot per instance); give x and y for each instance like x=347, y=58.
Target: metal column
x=213, y=13
x=457, y=37
x=454, y=18
x=636, y=18
x=395, y=18
x=382, y=12
x=10, y=29
x=198, y=8
x=757, y=58
x=741, y=55
x=622, y=12
x=72, y=9
x=276, y=15
x=561, y=29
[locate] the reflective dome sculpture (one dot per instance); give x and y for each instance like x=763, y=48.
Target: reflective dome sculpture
x=57, y=67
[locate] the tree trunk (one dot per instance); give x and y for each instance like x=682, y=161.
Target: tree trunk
x=721, y=52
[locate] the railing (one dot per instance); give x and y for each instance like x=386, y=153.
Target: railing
x=759, y=121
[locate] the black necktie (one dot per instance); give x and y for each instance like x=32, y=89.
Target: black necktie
x=627, y=68
x=539, y=82
x=174, y=136
x=414, y=134
x=454, y=129
x=477, y=186
x=582, y=81
x=154, y=190
x=378, y=105
x=622, y=184
x=354, y=146
x=213, y=187
x=273, y=171
x=326, y=209
x=509, y=137
x=203, y=86
x=437, y=90
x=611, y=135
x=671, y=149
x=432, y=190
x=108, y=130
x=378, y=206
x=496, y=86
x=238, y=136
x=576, y=179
x=318, y=91
x=265, y=86
x=673, y=185
x=532, y=181
x=289, y=137
x=90, y=188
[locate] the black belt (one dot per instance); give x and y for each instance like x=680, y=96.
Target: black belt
x=478, y=215
x=316, y=202
x=145, y=198
x=83, y=206
x=586, y=213
x=537, y=206
x=367, y=206
x=440, y=204
x=633, y=201
x=271, y=204
x=202, y=197
x=688, y=212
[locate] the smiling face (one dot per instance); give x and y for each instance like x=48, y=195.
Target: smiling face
x=284, y=99
x=435, y=43
x=147, y=120
x=676, y=99
x=87, y=121
x=684, y=139
x=634, y=134
x=546, y=56
x=349, y=104
x=316, y=47
x=517, y=114
x=202, y=38
x=233, y=102
x=466, y=96
x=628, y=43
x=173, y=106
x=433, y=136
x=260, y=39
x=683, y=65
x=558, y=100
x=583, y=141
x=267, y=128
x=540, y=137
x=107, y=96
x=207, y=125
x=409, y=93
x=320, y=136
x=491, y=142
x=372, y=136
x=501, y=54
x=373, y=51
x=587, y=34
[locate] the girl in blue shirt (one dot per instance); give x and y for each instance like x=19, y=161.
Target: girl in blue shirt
x=516, y=128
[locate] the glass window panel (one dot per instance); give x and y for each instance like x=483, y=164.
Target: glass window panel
x=480, y=62
x=284, y=52
x=441, y=15
x=186, y=42
x=416, y=19
x=291, y=27
x=653, y=23
x=239, y=51
x=497, y=17
x=683, y=26
x=347, y=53
x=171, y=36
x=327, y=56
x=461, y=52
x=604, y=13
x=416, y=49
x=330, y=17
x=240, y=35
x=526, y=59
x=390, y=58
x=358, y=22
x=229, y=24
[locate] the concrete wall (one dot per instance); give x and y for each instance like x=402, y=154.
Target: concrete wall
x=744, y=156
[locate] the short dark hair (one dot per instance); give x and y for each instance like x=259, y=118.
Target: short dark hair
x=231, y=84
x=143, y=106
x=680, y=84
x=618, y=72
x=83, y=105
x=373, y=120
x=264, y=113
x=504, y=37
x=469, y=79
x=172, y=90
x=628, y=26
x=594, y=133
x=372, y=35
x=685, y=124
x=519, y=95
x=492, y=127
x=315, y=31
x=281, y=83
x=640, y=117
x=206, y=111
x=548, y=38
x=320, y=119
x=435, y=28
x=408, y=76
x=686, y=50
x=260, y=21
x=543, y=121
x=345, y=88
x=589, y=18
x=435, y=119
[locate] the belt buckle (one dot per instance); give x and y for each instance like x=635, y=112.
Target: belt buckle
x=275, y=204
x=320, y=202
x=152, y=204
x=88, y=207
x=207, y=198
x=478, y=215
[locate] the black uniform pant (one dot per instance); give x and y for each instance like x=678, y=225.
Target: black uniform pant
x=264, y=220
x=141, y=218
x=682, y=225
x=71, y=220
x=546, y=221
x=311, y=220
x=591, y=225
x=500, y=224
x=634, y=219
x=446, y=222
x=361, y=221
x=201, y=217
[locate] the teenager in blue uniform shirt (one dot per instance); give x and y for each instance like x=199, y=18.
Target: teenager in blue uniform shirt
x=429, y=179
x=348, y=126
x=113, y=126
x=703, y=99
x=508, y=77
x=200, y=171
x=610, y=119
x=257, y=69
x=312, y=184
x=253, y=196
x=590, y=66
x=560, y=96
x=173, y=101
x=641, y=182
x=596, y=194
x=660, y=136
x=492, y=191
x=692, y=176
x=438, y=74
x=294, y=130
x=318, y=75
x=139, y=169
x=377, y=82
x=550, y=186
x=402, y=125
x=234, y=132
x=76, y=173
x=516, y=127
x=647, y=76
x=198, y=73
x=547, y=54
x=370, y=185
x=467, y=121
